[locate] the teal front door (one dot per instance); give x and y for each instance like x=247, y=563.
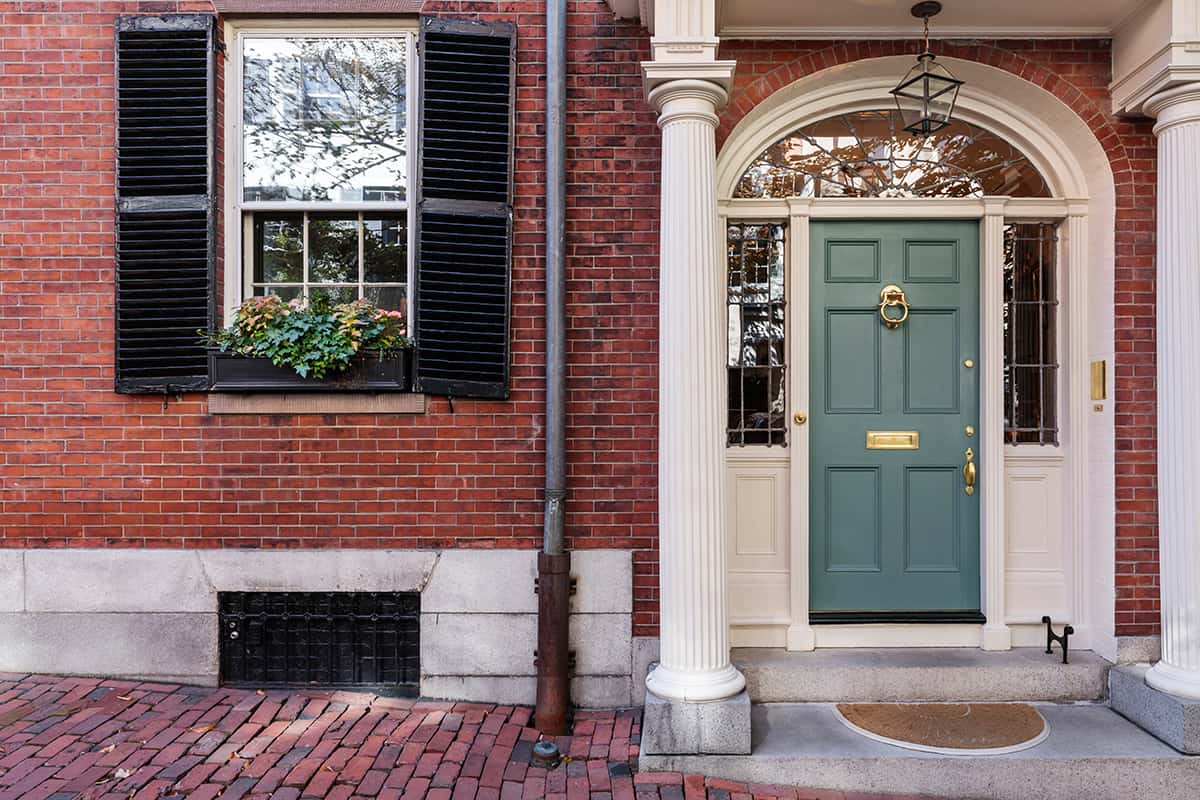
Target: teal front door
x=894, y=410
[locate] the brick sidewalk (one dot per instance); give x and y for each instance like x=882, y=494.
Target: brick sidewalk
x=98, y=739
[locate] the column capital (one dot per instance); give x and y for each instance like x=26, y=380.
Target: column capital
x=1174, y=106
x=687, y=99
x=718, y=73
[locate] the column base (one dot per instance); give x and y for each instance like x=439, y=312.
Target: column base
x=695, y=687
x=1173, y=719
x=1173, y=680
x=674, y=727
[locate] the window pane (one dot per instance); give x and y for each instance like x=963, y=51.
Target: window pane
x=756, y=305
x=336, y=294
x=324, y=118
x=392, y=298
x=385, y=249
x=279, y=248
x=333, y=248
x=284, y=292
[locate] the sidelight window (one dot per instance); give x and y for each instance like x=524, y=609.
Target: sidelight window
x=1030, y=333
x=756, y=305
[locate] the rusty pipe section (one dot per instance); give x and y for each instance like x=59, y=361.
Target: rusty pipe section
x=553, y=658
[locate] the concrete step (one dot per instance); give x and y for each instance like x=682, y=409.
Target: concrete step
x=956, y=674
x=1091, y=752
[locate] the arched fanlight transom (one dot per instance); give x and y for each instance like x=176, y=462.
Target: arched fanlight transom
x=869, y=154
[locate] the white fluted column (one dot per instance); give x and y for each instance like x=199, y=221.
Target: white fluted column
x=1178, y=345
x=693, y=625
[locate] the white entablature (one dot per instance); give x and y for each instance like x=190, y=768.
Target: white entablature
x=1156, y=43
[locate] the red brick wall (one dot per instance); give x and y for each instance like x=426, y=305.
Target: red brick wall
x=84, y=467
x=1078, y=73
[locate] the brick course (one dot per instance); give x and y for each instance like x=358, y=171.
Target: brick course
x=82, y=466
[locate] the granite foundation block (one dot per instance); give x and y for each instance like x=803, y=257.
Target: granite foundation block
x=718, y=727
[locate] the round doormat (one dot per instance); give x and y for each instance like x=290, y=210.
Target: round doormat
x=948, y=728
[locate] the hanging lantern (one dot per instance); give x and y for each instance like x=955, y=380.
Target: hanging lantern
x=925, y=97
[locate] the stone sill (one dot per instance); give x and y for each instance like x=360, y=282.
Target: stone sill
x=315, y=403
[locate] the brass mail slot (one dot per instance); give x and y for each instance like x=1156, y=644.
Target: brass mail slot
x=893, y=440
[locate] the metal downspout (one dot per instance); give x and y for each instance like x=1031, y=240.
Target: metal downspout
x=554, y=562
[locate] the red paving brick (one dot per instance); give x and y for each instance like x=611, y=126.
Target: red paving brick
x=92, y=739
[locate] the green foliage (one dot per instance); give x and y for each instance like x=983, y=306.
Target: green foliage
x=317, y=339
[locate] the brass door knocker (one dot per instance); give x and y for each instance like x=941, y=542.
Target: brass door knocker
x=892, y=295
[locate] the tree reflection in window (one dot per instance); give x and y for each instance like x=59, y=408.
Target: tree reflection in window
x=869, y=154
x=324, y=118
x=756, y=305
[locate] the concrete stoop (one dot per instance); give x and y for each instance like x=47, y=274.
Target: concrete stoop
x=881, y=675
x=1091, y=752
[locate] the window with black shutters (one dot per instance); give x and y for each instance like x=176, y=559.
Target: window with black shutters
x=330, y=189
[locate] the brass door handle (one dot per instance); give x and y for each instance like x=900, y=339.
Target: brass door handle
x=969, y=472
x=799, y=418
x=889, y=297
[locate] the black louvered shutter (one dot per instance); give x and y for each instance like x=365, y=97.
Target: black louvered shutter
x=464, y=219
x=165, y=238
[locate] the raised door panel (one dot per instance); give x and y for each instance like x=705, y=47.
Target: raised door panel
x=931, y=521
x=931, y=361
x=757, y=545
x=852, y=369
x=853, y=519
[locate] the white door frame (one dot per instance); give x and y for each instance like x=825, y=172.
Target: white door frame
x=993, y=213
x=1062, y=147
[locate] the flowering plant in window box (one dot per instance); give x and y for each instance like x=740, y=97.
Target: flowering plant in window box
x=310, y=345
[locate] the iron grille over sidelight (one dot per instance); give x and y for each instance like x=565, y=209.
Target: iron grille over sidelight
x=756, y=304
x=1030, y=333
x=327, y=638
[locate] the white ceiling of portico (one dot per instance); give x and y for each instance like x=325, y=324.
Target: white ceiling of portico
x=879, y=19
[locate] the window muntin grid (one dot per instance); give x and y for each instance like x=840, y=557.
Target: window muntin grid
x=869, y=154
x=756, y=305
x=1030, y=333
x=343, y=256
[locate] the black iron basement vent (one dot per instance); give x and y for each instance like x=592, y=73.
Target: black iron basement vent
x=367, y=639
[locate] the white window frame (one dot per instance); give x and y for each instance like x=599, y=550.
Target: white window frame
x=238, y=277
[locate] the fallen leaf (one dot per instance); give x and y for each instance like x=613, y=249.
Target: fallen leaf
x=122, y=774
x=260, y=691
x=328, y=768
x=201, y=729
x=108, y=749
x=124, y=697
x=233, y=755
